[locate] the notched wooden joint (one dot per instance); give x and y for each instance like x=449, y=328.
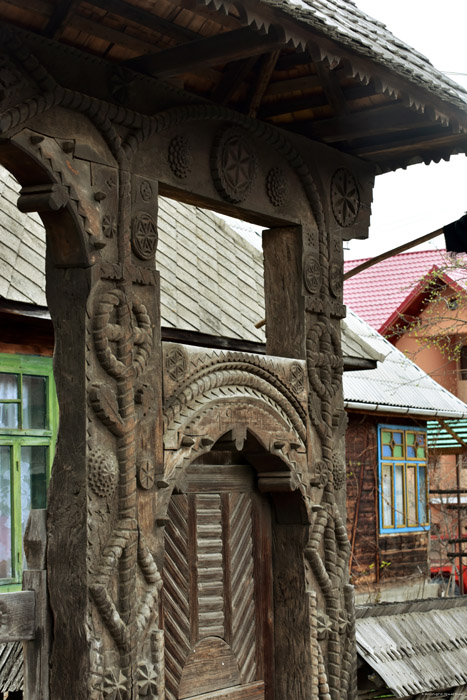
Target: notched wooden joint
x=42, y=198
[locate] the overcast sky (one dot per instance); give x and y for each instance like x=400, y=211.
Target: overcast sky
x=412, y=202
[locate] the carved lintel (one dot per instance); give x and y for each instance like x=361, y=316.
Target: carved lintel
x=277, y=482
x=42, y=198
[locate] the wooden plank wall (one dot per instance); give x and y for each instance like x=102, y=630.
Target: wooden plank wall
x=377, y=559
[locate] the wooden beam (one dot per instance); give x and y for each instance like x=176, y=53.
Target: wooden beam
x=299, y=104
x=233, y=76
x=413, y=143
x=368, y=122
x=113, y=36
x=264, y=76
x=222, y=48
x=281, y=87
x=17, y=616
x=148, y=19
x=332, y=89
x=60, y=17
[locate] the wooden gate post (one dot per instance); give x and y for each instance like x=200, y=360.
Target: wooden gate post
x=36, y=651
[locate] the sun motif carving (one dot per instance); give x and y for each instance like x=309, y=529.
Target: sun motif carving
x=312, y=274
x=115, y=685
x=335, y=279
x=144, y=236
x=147, y=680
x=176, y=364
x=234, y=165
x=146, y=474
x=345, y=197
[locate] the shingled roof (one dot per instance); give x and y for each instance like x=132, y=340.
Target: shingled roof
x=319, y=68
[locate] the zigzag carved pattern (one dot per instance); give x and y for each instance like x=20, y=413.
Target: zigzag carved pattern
x=243, y=588
x=176, y=594
x=209, y=565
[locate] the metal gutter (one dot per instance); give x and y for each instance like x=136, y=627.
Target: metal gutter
x=386, y=408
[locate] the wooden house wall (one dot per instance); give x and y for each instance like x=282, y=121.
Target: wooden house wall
x=377, y=559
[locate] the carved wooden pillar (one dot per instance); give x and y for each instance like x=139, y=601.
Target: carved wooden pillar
x=104, y=582
x=303, y=285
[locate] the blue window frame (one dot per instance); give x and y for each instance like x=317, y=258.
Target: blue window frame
x=403, y=479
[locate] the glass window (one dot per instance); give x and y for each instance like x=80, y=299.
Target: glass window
x=34, y=405
x=403, y=479
x=28, y=423
x=5, y=512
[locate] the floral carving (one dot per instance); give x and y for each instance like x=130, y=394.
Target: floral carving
x=338, y=470
x=103, y=473
x=146, y=474
x=179, y=156
x=276, y=186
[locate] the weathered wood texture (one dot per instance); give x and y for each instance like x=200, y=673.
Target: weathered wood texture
x=94, y=169
x=17, y=616
x=377, y=559
x=283, y=293
x=37, y=651
x=214, y=587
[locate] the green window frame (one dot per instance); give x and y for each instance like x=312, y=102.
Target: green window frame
x=28, y=432
x=403, y=479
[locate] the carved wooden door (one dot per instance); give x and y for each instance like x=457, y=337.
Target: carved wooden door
x=217, y=596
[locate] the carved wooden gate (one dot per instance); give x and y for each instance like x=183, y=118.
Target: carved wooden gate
x=217, y=600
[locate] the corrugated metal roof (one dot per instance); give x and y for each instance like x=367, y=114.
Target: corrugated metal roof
x=381, y=292
x=449, y=434
x=415, y=647
x=397, y=384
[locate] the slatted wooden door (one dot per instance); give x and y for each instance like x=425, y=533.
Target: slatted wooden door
x=217, y=596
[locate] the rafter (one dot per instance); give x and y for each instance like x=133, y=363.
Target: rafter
x=146, y=18
x=233, y=76
x=223, y=48
x=268, y=63
x=60, y=17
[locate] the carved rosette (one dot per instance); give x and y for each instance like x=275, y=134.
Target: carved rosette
x=179, y=157
x=312, y=274
x=233, y=165
x=345, y=197
x=276, y=186
x=335, y=280
x=144, y=236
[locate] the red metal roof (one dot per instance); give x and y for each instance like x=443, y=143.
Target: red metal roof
x=381, y=292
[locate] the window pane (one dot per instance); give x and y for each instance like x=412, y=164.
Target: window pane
x=386, y=436
x=412, y=513
x=5, y=512
x=388, y=511
x=411, y=452
x=398, y=451
x=410, y=438
x=387, y=451
x=399, y=500
x=33, y=480
x=397, y=437
x=34, y=409
x=8, y=386
x=9, y=415
x=422, y=496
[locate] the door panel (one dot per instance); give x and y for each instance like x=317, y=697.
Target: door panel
x=217, y=610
